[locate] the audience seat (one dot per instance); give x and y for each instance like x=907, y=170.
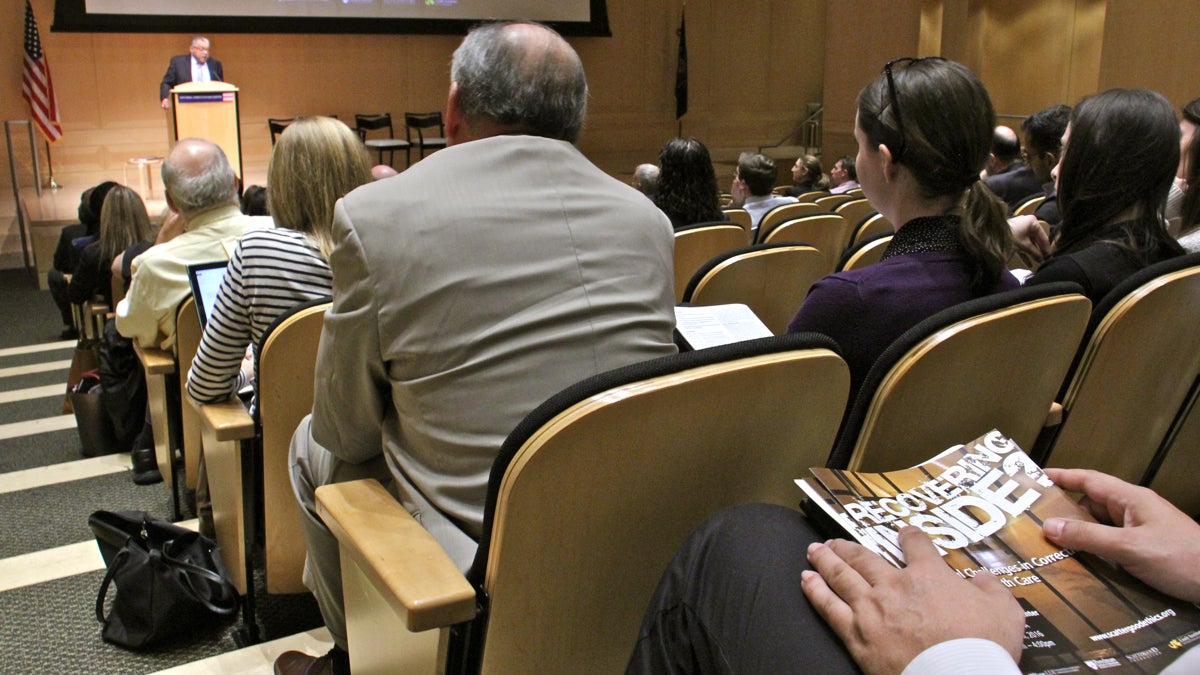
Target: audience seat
x=770, y=279
x=825, y=231
x=741, y=217
x=995, y=362
x=854, y=210
x=1133, y=374
x=285, y=369
x=831, y=202
x=589, y=498
x=866, y=252
x=699, y=243
x=869, y=227
x=812, y=195
x=784, y=213
x=1172, y=474
x=1029, y=206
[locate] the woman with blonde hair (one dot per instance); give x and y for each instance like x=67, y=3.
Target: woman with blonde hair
x=316, y=161
x=808, y=176
x=123, y=223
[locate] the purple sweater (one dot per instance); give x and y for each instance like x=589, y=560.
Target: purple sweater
x=865, y=310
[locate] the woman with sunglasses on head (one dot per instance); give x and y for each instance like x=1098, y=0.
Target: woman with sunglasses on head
x=1118, y=161
x=924, y=130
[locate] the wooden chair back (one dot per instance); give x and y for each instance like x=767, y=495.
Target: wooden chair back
x=864, y=253
x=870, y=227
x=1172, y=474
x=854, y=210
x=697, y=244
x=741, y=217
x=995, y=362
x=770, y=279
x=830, y=202
x=1133, y=374
x=824, y=231
x=187, y=341
x=1029, y=206
x=812, y=196
x=784, y=213
x=582, y=521
x=286, y=370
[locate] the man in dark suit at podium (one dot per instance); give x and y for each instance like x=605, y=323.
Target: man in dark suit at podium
x=193, y=67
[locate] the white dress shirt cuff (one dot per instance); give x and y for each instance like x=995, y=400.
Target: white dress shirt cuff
x=964, y=655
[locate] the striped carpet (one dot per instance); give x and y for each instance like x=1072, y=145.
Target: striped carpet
x=50, y=568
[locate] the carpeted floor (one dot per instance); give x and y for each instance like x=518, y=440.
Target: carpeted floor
x=50, y=627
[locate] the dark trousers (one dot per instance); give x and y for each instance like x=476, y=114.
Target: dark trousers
x=58, y=290
x=731, y=602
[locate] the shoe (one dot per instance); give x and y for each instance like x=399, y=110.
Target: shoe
x=145, y=466
x=299, y=663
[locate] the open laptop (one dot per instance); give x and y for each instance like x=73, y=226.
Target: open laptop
x=205, y=279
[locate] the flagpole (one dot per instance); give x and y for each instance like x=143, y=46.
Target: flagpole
x=50, y=162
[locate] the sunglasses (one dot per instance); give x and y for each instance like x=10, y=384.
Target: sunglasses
x=897, y=64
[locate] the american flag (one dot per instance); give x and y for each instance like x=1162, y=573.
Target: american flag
x=36, y=86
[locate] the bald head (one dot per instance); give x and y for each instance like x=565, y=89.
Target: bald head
x=197, y=177
x=381, y=171
x=1005, y=144
x=519, y=77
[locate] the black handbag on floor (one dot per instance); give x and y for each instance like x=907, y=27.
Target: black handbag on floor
x=168, y=579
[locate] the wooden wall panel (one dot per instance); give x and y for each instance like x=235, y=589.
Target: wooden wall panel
x=1152, y=46
x=861, y=36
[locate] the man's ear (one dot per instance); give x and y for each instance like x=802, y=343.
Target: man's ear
x=456, y=130
x=171, y=203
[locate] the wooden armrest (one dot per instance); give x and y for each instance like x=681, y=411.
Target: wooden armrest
x=155, y=361
x=229, y=420
x=404, y=563
x=1054, y=418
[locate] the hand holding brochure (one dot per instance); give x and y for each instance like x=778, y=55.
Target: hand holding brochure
x=983, y=506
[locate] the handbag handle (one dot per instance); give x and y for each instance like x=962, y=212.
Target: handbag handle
x=189, y=569
x=117, y=562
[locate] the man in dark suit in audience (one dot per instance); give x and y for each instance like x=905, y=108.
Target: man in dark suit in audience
x=468, y=290
x=1041, y=135
x=1007, y=175
x=195, y=66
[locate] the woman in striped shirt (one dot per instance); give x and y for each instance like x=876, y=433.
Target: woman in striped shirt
x=316, y=161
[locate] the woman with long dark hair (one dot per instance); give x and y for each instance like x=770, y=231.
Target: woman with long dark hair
x=924, y=130
x=1118, y=161
x=687, y=183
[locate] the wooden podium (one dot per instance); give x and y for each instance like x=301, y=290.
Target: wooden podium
x=208, y=110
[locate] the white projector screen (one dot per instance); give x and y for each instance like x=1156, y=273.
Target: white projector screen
x=570, y=17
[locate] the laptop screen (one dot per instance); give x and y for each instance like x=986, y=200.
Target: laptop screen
x=205, y=279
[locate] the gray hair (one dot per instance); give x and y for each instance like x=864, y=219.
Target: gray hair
x=521, y=85
x=646, y=177
x=198, y=177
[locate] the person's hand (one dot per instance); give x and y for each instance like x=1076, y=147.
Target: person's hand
x=1148, y=536
x=166, y=104
x=172, y=226
x=738, y=193
x=1033, y=244
x=886, y=616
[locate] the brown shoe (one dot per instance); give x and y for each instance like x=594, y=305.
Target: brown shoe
x=299, y=663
